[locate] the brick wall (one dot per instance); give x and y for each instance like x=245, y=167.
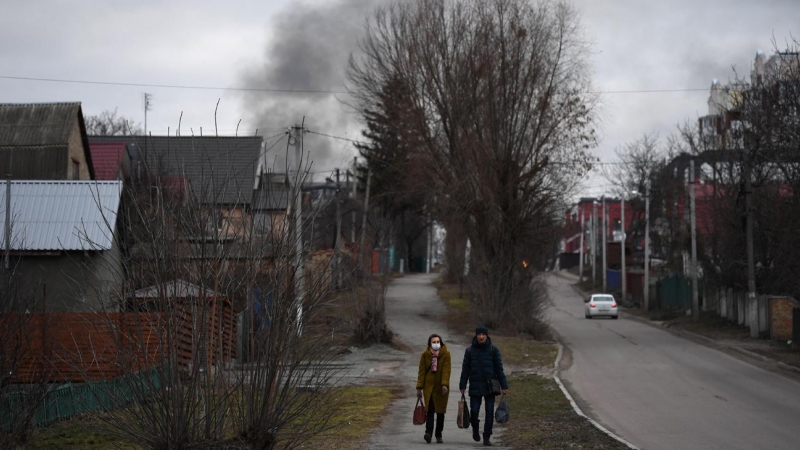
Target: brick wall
x=780, y=313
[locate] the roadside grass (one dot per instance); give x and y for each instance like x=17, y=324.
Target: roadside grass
x=522, y=352
x=541, y=417
x=360, y=410
x=83, y=432
x=459, y=313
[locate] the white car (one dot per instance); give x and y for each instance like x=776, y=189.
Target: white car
x=601, y=305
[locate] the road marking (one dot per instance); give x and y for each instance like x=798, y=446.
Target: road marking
x=577, y=409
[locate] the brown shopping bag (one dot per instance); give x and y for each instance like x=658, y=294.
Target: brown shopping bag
x=419, y=413
x=463, y=413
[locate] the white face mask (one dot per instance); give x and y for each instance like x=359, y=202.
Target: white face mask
x=436, y=346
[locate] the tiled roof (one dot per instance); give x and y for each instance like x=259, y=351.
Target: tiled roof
x=36, y=124
x=221, y=170
x=61, y=215
x=106, y=157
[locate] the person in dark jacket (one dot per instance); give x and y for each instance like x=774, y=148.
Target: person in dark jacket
x=482, y=362
x=433, y=384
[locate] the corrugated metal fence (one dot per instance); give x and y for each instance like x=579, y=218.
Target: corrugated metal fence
x=69, y=400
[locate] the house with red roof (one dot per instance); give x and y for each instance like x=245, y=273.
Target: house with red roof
x=111, y=160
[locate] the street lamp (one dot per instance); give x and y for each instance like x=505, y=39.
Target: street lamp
x=594, y=243
x=604, y=234
x=622, y=246
x=647, y=248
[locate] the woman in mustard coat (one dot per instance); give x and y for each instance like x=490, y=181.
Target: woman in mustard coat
x=433, y=384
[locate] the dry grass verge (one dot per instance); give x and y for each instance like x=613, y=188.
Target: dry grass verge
x=79, y=433
x=522, y=352
x=360, y=410
x=542, y=418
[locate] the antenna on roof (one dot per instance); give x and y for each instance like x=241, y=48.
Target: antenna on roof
x=146, y=99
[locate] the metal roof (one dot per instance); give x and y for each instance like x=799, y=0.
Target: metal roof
x=221, y=170
x=60, y=215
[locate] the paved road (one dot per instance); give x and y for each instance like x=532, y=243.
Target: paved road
x=660, y=391
x=413, y=312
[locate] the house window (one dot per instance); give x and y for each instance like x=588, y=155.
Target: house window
x=262, y=223
x=217, y=223
x=76, y=170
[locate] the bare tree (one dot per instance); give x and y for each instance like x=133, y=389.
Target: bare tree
x=107, y=123
x=500, y=121
x=191, y=267
x=749, y=150
x=636, y=161
x=25, y=366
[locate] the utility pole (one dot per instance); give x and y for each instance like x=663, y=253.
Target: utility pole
x=580, y=252
x=428, y=247
x=604, y=223
x=298, y=223
x=8, y=222
x=751, y=267
x=647, y=247
x=594, y=243
x=695, y=300
x=622, y=249
x=353, y=217
x=337, y=243
x=364, y=218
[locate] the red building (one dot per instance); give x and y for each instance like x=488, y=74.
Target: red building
x=585, y=208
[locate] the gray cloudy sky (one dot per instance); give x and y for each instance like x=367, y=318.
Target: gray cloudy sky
x=280, y=44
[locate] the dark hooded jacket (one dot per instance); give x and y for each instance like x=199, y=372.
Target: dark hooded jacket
x=489, y=357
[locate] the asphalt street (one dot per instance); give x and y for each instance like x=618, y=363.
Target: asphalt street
x=661, y=391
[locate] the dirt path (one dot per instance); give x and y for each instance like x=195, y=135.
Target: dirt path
x=412, y=312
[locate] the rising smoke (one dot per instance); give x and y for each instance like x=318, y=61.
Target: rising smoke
x=307, y=49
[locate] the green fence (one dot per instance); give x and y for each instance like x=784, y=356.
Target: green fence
x=69, y=400
x=676, y=293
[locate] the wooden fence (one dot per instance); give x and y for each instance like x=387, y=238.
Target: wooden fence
x=77, y=347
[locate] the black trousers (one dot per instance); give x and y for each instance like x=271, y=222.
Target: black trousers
x=475, y=410
x=429, y=419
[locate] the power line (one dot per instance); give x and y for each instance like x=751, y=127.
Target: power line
x=652, y=91
x=175, y=86
x=296, y=91
x=596, y=163
x=337, y=137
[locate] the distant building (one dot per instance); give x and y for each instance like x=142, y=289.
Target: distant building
x=44, y=141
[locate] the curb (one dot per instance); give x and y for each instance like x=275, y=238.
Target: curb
x=577, y=408
x=712, y=343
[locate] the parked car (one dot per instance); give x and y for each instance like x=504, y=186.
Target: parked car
x=601, y=305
